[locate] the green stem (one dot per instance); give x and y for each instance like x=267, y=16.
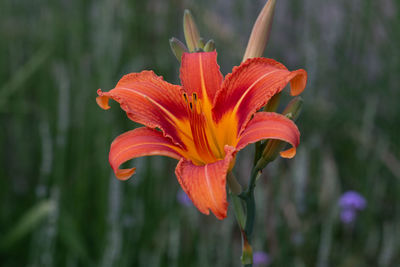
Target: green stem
x=258, y=151
x=250, y=215
x=245, y=218
x=255, y=173
x=250, y=203
x=239, y=211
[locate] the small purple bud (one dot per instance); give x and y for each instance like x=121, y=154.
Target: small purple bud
x=350, y=204
x=352, y=200
x=183, y=198
x=260, y=258
x=348, y=216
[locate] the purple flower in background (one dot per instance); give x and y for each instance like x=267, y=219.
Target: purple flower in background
x=352, y=200
x=348, y=215
x=261, y=258
x=350, y=203
x=183, y=198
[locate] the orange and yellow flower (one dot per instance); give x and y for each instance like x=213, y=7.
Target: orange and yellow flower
x=204, y=122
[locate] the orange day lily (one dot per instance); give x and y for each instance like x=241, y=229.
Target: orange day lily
x=204, y=122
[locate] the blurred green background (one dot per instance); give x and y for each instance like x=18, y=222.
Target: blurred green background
x=60, y=204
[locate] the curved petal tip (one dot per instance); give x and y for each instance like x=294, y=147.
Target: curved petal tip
x=288, y=154
x=124, y=174
x=206, y=185
x=102, y=100
x=298, y=82
x=136, y=143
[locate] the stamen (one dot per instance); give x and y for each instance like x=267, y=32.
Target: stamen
x=199, y=124
x=200, y=138
x=196, y=103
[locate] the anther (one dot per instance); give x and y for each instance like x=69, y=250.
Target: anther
x=185, y=97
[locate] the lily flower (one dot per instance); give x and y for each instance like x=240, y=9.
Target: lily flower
x=204, y=122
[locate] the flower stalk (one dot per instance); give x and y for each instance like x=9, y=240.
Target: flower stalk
x=246, y=217
x=270, y=152
x=255, y=48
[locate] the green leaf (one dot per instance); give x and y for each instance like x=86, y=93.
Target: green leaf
x=27, y=223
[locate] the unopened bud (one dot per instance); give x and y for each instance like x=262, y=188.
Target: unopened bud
x=270, y=153
x=210, y=46
x=177, y=47
x=191, y=32
x=260, y=33
x=200, y=43
x=293, y=109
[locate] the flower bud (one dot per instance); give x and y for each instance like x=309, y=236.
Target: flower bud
x=177, y=47
x=260, y=34
x=210, y=46
x=270, y=153
x=191, y=32
x=200, y=43
x=293, y=109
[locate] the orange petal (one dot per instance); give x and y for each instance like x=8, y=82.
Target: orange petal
x=149, y=100
x=102, y=101
x=205, y=185
x=137, y=143
x=251, y=85
x=270, y=125
x=200, y=74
